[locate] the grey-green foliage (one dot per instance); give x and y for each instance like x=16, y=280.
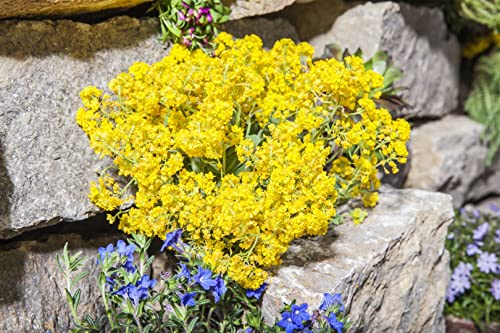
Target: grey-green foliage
x=486, y=12
x=483, y=103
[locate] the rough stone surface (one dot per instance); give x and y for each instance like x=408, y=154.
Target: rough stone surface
x=46, y=163
x=417, y=40
x=447, y=156
x=33, y=297
x=488, y=184
x=269, y=30
x=30, y=8
x=314, y=18
x=247, y=8
x=392, y=270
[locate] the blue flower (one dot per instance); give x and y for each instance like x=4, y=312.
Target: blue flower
x=110, y=283
x=184, y=272
x=146, y=282
x=104, y=251
x=497, y=236
x=123, y=291
x=204, y=278
x=124, y=249
x=334, y=323
x=188, y=299
x=329, y=300
x=129, y=266
x=287, y=323
x=219, y=289
x=257, y=293
x=488, y=262
x=300, y=314
x=171, y=239
x=137, y=294
x=481, y=231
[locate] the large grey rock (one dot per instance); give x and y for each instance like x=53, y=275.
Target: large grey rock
x=417, y=40
x=448, y=155
x=488, y=184
x=246, y=8
x=269, y=31
x=46, y=163
x=33, y=297
x=392, y=270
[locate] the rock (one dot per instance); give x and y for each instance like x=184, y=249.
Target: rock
x=448, y=155
x=488, y=184
x=490, y=205
x=269, y=30
x=33, y=297
x=246, y=8
x=392, y=270
x=30, y=8
x=314, y=18
x=46, y=163
x=417, y=40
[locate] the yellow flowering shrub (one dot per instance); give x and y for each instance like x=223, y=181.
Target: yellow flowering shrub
x=246, y=150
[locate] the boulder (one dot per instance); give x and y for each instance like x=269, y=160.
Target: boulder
x=246, y=8
x=417, y=40
x=30, y=8
x=46, y=163
x=269, y=30
x=488, y=184
x=448, y=155
x=392, y=270
x=33, y=297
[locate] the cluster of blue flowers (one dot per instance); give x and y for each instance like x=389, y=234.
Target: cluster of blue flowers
x=138, y=291
x=479, y=255
x=123, y=250
x=297, y=319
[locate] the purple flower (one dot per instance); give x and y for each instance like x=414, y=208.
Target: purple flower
x=494, y=208
x=334, y=323
x=299, y=313
x=481, y=231
x=287, y=323
x=451, y=235
x=451, y=294
x=473, y=249
x=459, y=283
x=219, y=289
x=257, y=293
x=181, y=16
x=495, y=289
x=497, y=236
x=104, y=251
x=476, y=214
x=487, y=262
x=329, y=300
x=204, y=278
x=146, y=282
x=463, y=269
x=124, y=249
x=188, y=299
x=172, y=239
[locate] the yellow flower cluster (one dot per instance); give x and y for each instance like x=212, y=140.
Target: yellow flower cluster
x=246, y=151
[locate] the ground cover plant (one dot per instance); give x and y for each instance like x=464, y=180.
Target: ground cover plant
x=192, y=299
x=474, y=289
x=245, y=150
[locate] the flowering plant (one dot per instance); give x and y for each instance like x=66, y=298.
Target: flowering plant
x=474, y=288
x=192, y=23
x=194, y=299
x=245, y=151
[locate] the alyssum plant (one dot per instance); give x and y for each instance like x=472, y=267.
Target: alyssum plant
x=194, y=299
x=245, y=150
